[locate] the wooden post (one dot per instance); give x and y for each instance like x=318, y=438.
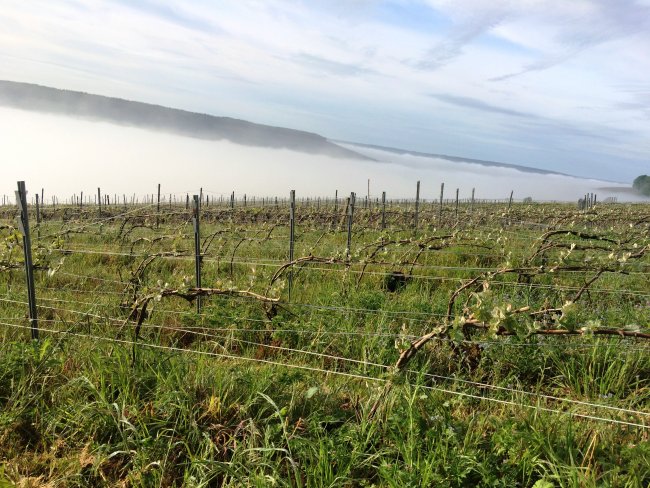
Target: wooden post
x=368, y=192
x=336, y=201
x=456, y=204
x=442, y=192
x=38, y=211
x=350, y=217
x=81, y=200
x=471, y=208
x=417, y=206
x=158, y=208
x=383, y=210
x=99, y=202
x=510, y=200
x=292, y=227
x=21, y=202
x=197, y=249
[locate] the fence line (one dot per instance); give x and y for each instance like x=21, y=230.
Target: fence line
x=315, y=332
x=406, y=315
x=338, y=373
x=378, y=273
x=386, y=367
x=280, y=262
x=95, y=222
x=390, y=315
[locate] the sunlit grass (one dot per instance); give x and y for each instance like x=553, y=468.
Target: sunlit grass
x=247, y=395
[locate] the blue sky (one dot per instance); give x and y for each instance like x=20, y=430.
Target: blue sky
x=557, y=84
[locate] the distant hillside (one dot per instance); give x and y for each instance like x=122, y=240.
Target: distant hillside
x=27, y=96
x=457, y=159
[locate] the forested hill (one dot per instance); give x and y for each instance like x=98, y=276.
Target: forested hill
x=27, y=96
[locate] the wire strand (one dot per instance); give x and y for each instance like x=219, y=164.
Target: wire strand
x=340, y=373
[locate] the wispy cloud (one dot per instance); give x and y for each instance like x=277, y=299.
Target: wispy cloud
x=475, y=104
x=366, y=70
x=327, y=66
x=578, y=31
x=174, y=14
x=639, y=101
x=451, y=47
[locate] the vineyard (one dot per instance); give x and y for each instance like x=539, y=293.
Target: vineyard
x=326, y=343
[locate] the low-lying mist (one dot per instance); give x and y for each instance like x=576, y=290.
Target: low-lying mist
x=65, y=156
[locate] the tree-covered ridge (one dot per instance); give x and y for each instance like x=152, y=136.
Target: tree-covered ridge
x=26, y=96
x=642, y=184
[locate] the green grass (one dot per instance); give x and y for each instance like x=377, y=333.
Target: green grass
x=231, y=397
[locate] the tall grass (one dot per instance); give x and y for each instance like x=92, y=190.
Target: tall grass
x=227, y=398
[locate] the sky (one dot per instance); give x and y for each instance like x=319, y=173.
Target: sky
x=562, y=85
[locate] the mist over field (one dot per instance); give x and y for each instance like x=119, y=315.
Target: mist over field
x=64, y=155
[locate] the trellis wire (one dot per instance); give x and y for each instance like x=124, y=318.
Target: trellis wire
x=334, y=372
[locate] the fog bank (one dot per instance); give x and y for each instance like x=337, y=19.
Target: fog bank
x=65, y=156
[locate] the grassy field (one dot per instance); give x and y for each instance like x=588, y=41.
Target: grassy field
x=494, y=345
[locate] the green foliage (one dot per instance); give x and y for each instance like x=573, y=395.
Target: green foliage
x=642, y=184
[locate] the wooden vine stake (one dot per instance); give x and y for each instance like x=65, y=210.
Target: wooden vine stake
x=350, y=218
x=38, y=211
x=23, y=225
x=507, y=220
x=368, y=195
x=383, y=210
x=292, y=228
x=442, y=193
x=197, y=250
x=158, y=209
x=417, y=207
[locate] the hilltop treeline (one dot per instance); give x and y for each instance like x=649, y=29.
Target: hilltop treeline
x=642, y=184
x=27, y=96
